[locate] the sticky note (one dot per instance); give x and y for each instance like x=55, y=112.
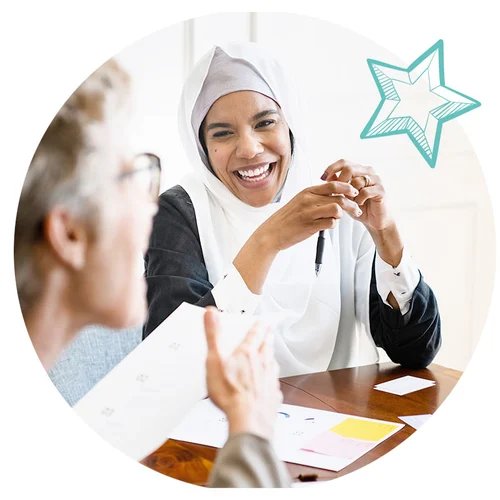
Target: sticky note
x=363, y=429
x=329, y=443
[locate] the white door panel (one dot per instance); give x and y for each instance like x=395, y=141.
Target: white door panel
x=156, y=65
x=215, y=29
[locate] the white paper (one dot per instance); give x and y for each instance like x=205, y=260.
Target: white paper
x=206, y=424
x=144, y=397
x=405, y=385
x=415, y=421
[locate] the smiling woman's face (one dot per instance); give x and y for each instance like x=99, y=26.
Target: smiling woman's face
x=248, y=143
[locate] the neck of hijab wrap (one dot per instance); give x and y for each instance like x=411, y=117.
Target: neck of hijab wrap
x=306, y=341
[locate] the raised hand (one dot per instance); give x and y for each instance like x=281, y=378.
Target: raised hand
x=245, y=385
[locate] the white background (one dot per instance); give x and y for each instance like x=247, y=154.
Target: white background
x=48, y=48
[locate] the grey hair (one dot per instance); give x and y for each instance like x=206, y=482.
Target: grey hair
x=64, y=169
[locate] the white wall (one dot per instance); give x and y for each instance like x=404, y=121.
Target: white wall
x=445, y=213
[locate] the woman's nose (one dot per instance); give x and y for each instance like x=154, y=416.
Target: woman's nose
x=248, y=146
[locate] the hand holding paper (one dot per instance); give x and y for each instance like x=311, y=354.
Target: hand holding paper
x=143, y=398
x=245, y=385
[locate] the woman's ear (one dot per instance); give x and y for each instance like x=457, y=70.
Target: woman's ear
x=67, y=236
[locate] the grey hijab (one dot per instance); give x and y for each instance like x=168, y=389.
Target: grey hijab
x=226, y=75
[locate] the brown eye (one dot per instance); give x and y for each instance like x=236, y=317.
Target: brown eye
x=265, y=123
x=223, y=133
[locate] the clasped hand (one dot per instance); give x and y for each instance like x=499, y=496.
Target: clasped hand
x=348, y=187
x=371, y=192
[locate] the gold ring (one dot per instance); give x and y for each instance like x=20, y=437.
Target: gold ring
x=368, y=181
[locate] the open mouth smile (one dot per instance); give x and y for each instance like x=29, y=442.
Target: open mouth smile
x=255, y=175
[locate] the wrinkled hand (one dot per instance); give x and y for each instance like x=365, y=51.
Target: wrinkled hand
x=245, y=386
x=371, y=198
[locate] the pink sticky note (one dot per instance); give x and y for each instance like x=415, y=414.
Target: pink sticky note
x=330, y=443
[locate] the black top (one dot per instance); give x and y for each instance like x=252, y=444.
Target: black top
x=176, y=273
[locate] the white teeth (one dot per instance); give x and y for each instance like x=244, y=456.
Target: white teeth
x=247, y=174
x=255, y=175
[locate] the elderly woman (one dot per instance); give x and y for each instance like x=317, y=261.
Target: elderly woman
x=85, y=214
x=241, y=233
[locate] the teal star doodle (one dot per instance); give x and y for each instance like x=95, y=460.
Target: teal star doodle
x=387, y=120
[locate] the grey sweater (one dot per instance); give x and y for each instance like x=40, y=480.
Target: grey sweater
x=248, y=461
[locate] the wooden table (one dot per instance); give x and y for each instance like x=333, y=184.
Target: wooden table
x=345, y=391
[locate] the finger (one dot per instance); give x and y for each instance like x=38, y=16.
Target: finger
x=248, y=368
x=332, y=172
x=354, y=170
x=266, y=353
x=360, y=182
x=211, y=322
x=334, y=187
x=372, y=192
x=257, y=374
x=323, y=225
x=269, y=368
x=327, y=176
x=336, y=207
x=234, y=371
x=265, y=356
x=330, y=211
x=268, y=341
x=254, y=337
x=334, y=169
x=345, y=170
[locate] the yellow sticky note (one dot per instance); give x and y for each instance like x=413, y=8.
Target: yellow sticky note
x=363, y=429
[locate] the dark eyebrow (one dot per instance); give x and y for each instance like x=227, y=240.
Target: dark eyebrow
x=258, y=116
x=266, y=112
x=218, y=125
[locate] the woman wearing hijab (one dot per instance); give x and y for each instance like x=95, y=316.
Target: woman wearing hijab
x=240, y=233
x=85, y=214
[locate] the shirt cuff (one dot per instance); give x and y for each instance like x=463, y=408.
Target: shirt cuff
x=401, y=280
x=232, y=295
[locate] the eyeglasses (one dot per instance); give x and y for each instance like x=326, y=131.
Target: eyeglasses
x=146, y=172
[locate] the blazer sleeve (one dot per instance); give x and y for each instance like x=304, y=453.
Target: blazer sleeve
x=413, y=339
x=248, y=461
x=174, y=266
